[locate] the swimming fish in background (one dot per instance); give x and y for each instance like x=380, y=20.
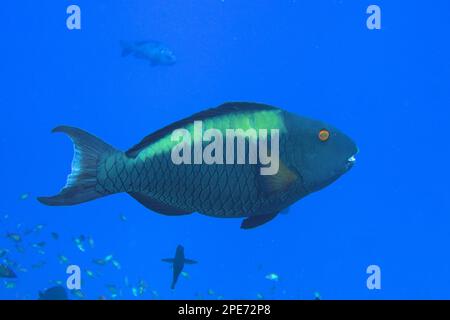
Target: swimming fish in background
x=14, y=237
x=24, y=196
x=54, y=293
x=10, y=284
x=3, y=252
x=178, y=264
x=312, y=154
x=63, y=259
x=6, y=272
x=155, y=52
x=272, y=277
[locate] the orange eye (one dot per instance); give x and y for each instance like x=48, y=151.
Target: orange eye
x=324, y=135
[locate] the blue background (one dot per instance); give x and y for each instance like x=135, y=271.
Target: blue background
x=388, y=89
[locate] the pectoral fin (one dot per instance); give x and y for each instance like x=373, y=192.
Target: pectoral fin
x=256, y=221
x=279, y=182
x=169, y=260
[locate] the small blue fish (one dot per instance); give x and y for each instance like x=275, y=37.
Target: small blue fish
x=155, y=52
x=272, y=277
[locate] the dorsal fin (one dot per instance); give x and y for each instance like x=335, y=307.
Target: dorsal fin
x=223, y=109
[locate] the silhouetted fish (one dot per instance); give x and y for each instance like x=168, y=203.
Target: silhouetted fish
x=6, y=272
x=178, y=264
x=54, y=293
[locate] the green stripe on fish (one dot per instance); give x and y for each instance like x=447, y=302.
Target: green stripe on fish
x=244, y=121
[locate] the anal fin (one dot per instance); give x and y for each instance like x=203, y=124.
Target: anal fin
x=256, y=221
x=158, y=206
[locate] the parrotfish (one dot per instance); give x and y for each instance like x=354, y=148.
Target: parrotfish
x=155, y=52
x=311, y=155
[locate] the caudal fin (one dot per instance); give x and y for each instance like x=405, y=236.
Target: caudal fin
x=81, y=183
x=127, y=48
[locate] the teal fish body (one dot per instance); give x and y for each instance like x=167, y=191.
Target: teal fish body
x=155, y=52
x=302, y=159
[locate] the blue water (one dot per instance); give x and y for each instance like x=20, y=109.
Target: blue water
x=388, y=89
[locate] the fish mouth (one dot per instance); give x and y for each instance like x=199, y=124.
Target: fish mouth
x=350, y=161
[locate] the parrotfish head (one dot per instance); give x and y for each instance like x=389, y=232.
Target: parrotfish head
x=323, y=153
x=167, y=57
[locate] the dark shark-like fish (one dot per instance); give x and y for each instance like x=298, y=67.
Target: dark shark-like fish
x=154, y=52
x=178, y=263
x=312, y=154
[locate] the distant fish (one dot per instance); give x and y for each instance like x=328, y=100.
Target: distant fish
x=142, y=287
x=24, y=196
x=103, y=262
x=10, y=284
x=90, y=274
x=77, y=293
x=56, y=282
x=10, y=263
x=40, y=244
x=55, y=236
x=116, y=264
x=14, y=237
x=90, y=241
x=3, y=252
x=113, y=290
x=100, y=262
x=155, y=52
x=178, y=264
x=79, y=243
x=54, y=293
x=38, y=228
x=22, y=269
x=272, y=277
x=63, y=259
x=6, y=272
